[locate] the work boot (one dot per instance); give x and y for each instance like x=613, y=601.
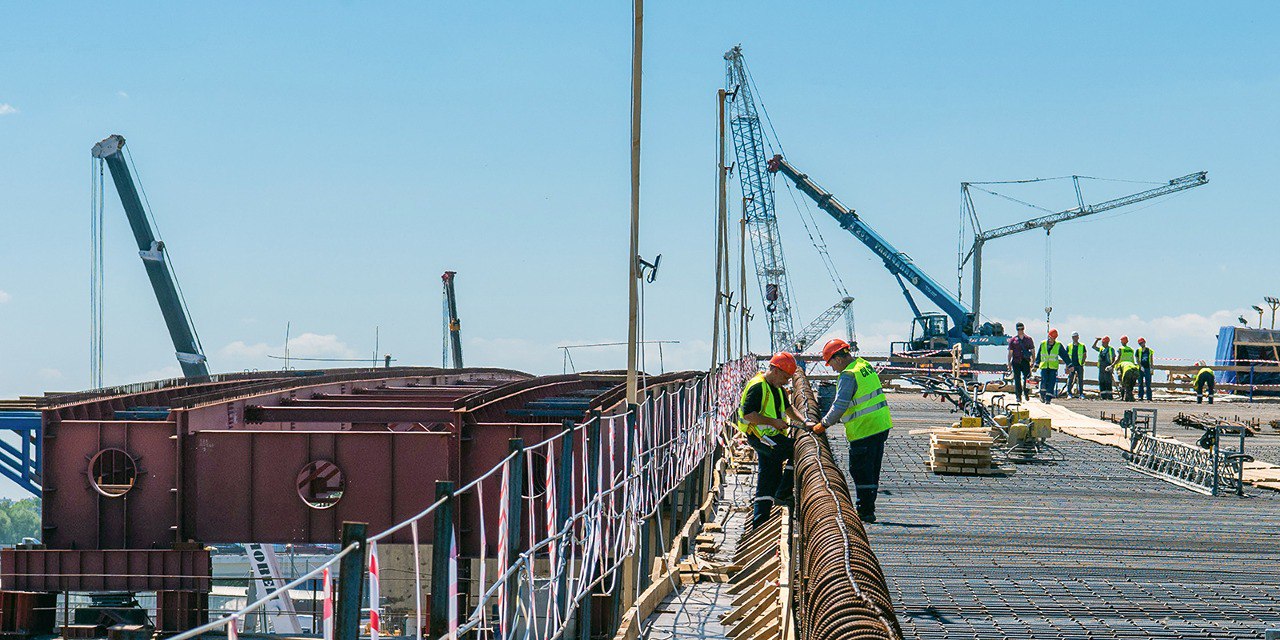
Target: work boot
x=868, y=518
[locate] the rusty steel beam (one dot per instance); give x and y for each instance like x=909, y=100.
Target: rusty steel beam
x=258, y=414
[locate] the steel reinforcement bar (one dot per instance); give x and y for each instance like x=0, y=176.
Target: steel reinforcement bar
x=841, y=588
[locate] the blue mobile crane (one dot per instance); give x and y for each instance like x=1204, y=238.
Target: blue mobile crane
x=159, y=270
x=956, y=324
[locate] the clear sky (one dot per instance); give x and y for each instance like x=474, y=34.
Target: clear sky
x=322, y=163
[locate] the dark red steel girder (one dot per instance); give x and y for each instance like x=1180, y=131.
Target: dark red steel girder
x=259, y=414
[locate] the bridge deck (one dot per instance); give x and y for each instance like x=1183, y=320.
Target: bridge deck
x=1082, y=549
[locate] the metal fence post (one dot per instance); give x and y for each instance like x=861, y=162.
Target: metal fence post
x=1216, y=437
x=515, y=522
x=351, y=572
x=443, y=518
x=592, y=482
x=564, y=502
x=1251, y=381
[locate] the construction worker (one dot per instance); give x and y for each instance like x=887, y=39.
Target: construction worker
x=1146, y=361
x=1021, y=353
x=1106, y=362
x=764, y=415
x=1048, y=356
x=1125, y=352
x=1077, y=354
x=859, y=404
x=1128, y=374
x=1203, y=382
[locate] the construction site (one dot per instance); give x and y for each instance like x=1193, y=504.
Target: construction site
x=953, y=478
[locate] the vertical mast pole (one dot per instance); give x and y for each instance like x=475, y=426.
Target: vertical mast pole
x=721, y=196
x=633, y=386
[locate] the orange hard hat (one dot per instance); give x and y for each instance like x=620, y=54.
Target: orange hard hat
x=1053, y=333
x=1106, y=338
x=834, y=346
x=785, y=362
x=1124, y=338
x=1142, y=340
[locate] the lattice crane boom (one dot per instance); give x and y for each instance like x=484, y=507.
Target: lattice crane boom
x=819, y=326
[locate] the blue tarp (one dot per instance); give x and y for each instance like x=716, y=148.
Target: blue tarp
x=1225, y=354
x=1244, y=346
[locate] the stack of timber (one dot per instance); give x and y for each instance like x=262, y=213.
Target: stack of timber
x=963, y=452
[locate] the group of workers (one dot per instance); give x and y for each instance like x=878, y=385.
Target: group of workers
x=1132, y=367
x=767, y=418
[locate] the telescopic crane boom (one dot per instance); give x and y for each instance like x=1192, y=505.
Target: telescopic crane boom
x=451, y=316
x=159, y=271
x=963, y=327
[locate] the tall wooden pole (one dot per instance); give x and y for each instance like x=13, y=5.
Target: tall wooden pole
x=721, y=197
x=633, y=313
x=743, y=347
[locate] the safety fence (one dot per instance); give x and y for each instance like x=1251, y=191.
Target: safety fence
x=842, y=590
x=562, y=526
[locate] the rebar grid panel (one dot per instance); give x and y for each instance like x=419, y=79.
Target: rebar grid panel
x=1086, y=548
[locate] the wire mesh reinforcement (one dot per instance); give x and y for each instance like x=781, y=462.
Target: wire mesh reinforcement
x=842, y=589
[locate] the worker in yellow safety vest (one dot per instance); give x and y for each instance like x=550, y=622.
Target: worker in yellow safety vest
x=1125, y=352
x=861, y=406
x=1106, y=362
x=763, y=416
x=1146, y=360
x=1128, y=374
x=1048, y=357
x=1203, y=382
x=1077, y=354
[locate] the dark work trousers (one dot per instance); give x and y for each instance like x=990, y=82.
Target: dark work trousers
x=1104, y=383
x=1205, y=388
x=1075, y=382
x=1144, y=383
x=1021, y=371
x=1048, y=384
x=774, y=477
x=1127, y=382
x=865, y=456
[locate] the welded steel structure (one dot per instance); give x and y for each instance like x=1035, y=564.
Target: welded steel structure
x=139, y=479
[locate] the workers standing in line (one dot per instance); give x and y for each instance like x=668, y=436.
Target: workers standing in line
x=1106, y=362
x=1203, y=382
x=1145, y=359
x=1125, y=352
x=1128, y=373
x=859, y=404
x=764, y=415
x=1050, y=354
x=1076, y=355
x=1021, y=353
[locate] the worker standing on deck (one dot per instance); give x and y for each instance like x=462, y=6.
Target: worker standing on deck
x=859, y=404
x=1128, y=374
x=1021, y=352
x=764, y=415
x=1077, y=354
x=1050, y=354
x=1146, y=363
x=1106, y=361
x=1125, y=352
x=1203, y=382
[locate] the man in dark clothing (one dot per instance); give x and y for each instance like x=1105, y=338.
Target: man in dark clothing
x=1106, y=361
x=1203, y=382
x=1146, y=365
x=1077, y=354
x=860, y=405
x=1021, y=350
x=765, y=416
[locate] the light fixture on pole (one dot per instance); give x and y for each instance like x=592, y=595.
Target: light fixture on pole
x=1259, y=310
x=1274, y=302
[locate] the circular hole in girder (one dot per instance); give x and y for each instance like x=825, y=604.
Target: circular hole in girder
x=113, y=472
x=320, y=484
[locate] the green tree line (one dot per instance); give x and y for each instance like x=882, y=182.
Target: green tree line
x=19, y=519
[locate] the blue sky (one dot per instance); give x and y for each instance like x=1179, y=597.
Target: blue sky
x=322, y=163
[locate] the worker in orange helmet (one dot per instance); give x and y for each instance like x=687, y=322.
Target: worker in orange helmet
x=859, y=404
x=1048, y=357
x=1145, y=358
x=765, y=417
x=1106, y=363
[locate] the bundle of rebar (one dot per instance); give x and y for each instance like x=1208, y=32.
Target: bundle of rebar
x=842, y=588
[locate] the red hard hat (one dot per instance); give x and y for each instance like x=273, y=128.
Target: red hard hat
x=784, y=361
x=1053, y=333
x=834, y=346
x=1106, y=338
x=1142, y=340
x=1124, y=338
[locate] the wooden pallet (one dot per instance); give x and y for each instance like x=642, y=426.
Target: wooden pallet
x=964, y=453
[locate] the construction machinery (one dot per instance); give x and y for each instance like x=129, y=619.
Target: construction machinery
x=453, y=335
x=759, y=211
x=1048, y=221
x=956, y=324
x=155, y=259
